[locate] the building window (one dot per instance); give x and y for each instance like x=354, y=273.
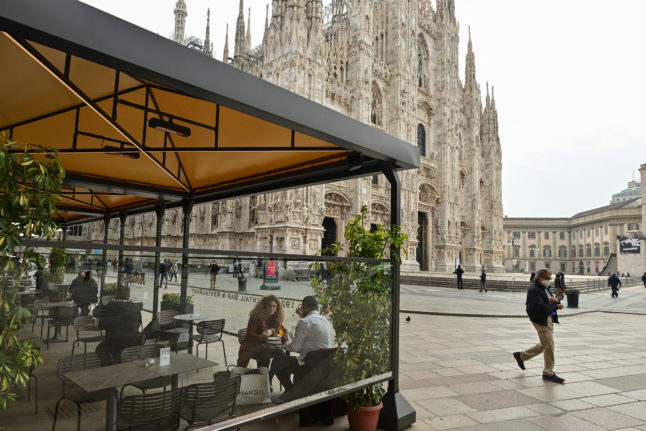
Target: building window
x=580, y=251
x=633, y=226
x=547, y=235
x=547, y=252
x=589, y=233
x=532, y=251
x=606, y=249
x=75, y=230
x=547, y=265
x=531, y=235
x=605, y=229
x=573, y=234
x=597, y=250
x=532, y=266
x=588, y=250
x=516, y=251
x=375, y=179
x=573, y=254
x=376, y=108
x=516, y=234
x=562, y=252
x=561, y=235
x=421, y=140
x=562, y=267
x=596, y=231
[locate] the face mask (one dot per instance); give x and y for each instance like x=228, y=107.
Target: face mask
x=545, y=283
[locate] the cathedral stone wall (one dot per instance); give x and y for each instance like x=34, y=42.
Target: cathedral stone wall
x=393, y=65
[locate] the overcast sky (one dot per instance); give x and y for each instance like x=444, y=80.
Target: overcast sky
x=569, y=78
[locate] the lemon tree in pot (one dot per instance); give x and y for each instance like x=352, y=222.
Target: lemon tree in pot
x=358, y=295
x=30, y=188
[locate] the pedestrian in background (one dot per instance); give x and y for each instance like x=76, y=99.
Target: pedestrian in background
x=214, y=268
x=483, y=280
x=541, y=310
x=644, y=279
x=163, y=273
x=173, y=271
x=458, y=272
x=559, y=286
x=614, y=282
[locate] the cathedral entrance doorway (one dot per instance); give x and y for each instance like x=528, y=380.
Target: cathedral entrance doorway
x=329, y=237
x=422, y=241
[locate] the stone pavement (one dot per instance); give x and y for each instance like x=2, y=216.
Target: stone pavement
x=457, y=370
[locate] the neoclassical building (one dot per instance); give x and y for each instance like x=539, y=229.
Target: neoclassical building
x=389, y=63
x=587, y=243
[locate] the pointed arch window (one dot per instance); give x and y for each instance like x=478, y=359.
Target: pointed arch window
x=376, y=107
x=421, y=140
x=420, y=66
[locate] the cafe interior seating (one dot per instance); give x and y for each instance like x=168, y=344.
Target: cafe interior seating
x=83, y=324
x=42, y=314
x=210, y=331
x=144, y=352
x=61, y=316
x=208, y=403
x=72, y=392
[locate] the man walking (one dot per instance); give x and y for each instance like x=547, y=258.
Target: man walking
x=644, y=279
x=483, y=280
x=541, y=310
x=163, y=274
x=459, y=271
x=614, y=282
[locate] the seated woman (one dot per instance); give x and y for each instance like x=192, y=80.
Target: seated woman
x=120, y=319
x=265, y=320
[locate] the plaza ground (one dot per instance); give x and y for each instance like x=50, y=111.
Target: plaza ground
x=456, y=365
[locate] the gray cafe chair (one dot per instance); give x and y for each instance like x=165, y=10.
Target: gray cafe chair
x=212, y=402
x=73, y=392
x=158, y=411
x=210, y=331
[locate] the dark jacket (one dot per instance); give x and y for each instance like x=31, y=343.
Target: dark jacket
x=459, y=272
x=119, y=318
x=614, y=281
x=84, y=292
x=538, y=306
x=483, y=276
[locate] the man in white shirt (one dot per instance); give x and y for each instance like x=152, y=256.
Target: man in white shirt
x=312, y=333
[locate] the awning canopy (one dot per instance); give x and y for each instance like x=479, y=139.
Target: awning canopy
x=139, y=119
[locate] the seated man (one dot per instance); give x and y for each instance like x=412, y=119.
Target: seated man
x=312, y=333
x=120, y=319
x=84, y=291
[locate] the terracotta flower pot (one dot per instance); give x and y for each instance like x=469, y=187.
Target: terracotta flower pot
x=365, y=419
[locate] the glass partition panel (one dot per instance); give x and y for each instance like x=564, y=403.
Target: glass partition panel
x=296, y=329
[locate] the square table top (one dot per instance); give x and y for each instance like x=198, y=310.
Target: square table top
x=111, y=376
x=191, y=317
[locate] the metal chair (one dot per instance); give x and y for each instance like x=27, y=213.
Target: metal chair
x=241, y=334
x=158, y=411
x=177, y=337
x=62, y=316
x=81, y=324
x=144, y=352
x=210, y=331
x=42, y=313
x=208, y=403
x=72, y=392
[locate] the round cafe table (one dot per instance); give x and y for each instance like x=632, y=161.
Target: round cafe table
x=190, y=318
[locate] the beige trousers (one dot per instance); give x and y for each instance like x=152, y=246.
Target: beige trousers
x=545, y=346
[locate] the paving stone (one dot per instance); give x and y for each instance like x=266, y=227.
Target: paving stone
x=428, y=393
x=450, y=422
x=474, y=388
x=550, y=392
x=625, y=383
x=608, y=419
x=608, y=400
x=497, y=400
x=445, y=406
x=638, y=394
x=567, y=422
x=504, y=414
x=545, y=409
x=515, y=425
x=590, y=388
x=636, y=410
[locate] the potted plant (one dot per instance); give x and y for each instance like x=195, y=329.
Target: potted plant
x=30, y=189
x=358, y=295
x=171, y=301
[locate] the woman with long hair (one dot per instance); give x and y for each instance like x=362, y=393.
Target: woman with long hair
x=265, y=320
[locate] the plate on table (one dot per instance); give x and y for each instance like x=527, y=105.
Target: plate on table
x=273, y=340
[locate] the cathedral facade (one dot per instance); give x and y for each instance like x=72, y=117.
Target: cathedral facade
x=394, y=65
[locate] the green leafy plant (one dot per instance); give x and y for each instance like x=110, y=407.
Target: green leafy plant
x=29, y=189
x=57, y=259
x=359, y=297
x=175, y=298
x=110, y=288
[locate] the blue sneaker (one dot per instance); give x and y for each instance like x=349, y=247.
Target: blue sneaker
x=553, y=378
x=520, y=363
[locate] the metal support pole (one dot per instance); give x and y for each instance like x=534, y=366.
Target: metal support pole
x=187, y=207
x=397, y=413
x=104, y=260
x=122, y=231
x=160, y=210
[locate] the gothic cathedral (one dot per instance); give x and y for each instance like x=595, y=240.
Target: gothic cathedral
x=392, y=64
